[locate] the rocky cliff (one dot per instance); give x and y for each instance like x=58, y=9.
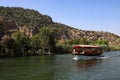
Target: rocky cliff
x=7, y=27
x=29, y=21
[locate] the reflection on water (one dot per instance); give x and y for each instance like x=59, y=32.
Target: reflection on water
x=27, y=68
x=87, y=63
x=61, y=67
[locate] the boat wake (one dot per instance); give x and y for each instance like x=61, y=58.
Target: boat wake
x=103, y=56
x=89, y=57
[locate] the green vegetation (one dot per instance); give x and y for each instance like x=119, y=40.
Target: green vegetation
x=20, y=44
x=23, y=41
x=68, y=44
x=10, y=47
x=82, y=41
x=44, y=39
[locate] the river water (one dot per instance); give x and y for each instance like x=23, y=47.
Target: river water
x=61, y=67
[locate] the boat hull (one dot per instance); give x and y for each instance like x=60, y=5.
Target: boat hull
x=82, y=57
x=92, y=54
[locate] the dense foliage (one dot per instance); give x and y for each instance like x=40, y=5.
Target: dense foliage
x=9, y=47
x=68, y=44
x=20, y=44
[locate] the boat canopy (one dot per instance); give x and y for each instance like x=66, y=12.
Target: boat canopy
x=86, y=46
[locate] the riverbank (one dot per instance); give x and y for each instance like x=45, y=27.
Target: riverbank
x=59, y=50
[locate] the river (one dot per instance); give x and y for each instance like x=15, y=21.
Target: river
x=61, y=67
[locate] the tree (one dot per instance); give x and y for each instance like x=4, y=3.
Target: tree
x=23, y=41
x=10, y=47
x=36, y=43
x=0, y=48
x=47, y=38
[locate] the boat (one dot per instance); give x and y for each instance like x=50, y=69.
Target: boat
x=87, y=50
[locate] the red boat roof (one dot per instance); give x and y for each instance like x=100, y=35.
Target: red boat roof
x=86, y=46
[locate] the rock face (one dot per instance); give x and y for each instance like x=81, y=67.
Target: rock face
x=7, y=27
x=30, y=31
x=72, y=33
x=112, y=39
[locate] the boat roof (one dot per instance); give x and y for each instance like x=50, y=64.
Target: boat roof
x=87, y=46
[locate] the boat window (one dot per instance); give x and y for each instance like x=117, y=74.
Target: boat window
x=99, y=49
x=77, y=49
x=88, y=49
x=81, y=50
x=93, y=49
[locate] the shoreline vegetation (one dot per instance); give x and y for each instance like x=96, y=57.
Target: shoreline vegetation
x=25, y=32
x=18, y=44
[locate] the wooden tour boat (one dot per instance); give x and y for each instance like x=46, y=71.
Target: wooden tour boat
x=87, y=50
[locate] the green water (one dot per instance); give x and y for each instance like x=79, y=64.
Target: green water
x=61, y=67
